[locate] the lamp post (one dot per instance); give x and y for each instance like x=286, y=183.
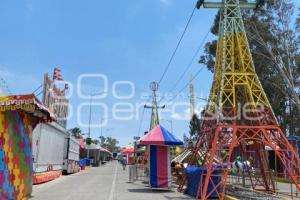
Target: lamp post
x=90, y=117
x=102, y=118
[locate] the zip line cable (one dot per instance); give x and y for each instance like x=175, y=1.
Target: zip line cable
x=186, y=85
x=190, y=63
x=177, y=46
x=4, y=87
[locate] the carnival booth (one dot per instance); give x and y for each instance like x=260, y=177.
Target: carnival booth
x=159, y=140
x=128, y=152
x=18, y=117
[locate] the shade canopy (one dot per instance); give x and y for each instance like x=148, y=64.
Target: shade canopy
x=128, y=149
x=160, y=136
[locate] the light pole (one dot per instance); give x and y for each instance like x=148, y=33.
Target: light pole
x=102, y=118
x=90, y=117
x=101, y=135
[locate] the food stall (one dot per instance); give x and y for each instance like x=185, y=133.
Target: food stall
x=128, y=152
x=159, y=141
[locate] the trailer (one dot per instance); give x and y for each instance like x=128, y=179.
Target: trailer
x=48, y=146
x=71, y=155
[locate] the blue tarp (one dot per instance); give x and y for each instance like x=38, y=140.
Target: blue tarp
x=295, y=139
x=194, y=177
x=84, y=162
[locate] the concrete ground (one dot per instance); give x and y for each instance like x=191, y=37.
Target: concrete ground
x=108, y=182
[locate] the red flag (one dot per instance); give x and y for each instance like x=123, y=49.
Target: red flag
x=57, y=75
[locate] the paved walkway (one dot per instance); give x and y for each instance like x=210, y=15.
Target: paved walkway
x=107, y=182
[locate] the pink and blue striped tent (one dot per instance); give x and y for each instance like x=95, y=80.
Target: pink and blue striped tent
x=160, y=136
x=159, y=139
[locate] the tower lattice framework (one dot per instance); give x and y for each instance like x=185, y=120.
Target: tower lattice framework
x=238, y=113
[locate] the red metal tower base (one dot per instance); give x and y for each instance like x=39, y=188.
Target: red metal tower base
x=221, y=140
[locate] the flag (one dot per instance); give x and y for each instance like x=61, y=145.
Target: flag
x=57, y=75
x=66, y=86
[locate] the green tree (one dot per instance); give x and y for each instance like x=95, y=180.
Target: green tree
x=95, y=141
x=102, y=140
x=88, y=141
x=76, y=132
x=111, y=144
x=194, y=126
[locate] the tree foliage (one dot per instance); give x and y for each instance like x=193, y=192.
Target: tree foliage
x=274, y=43
x=76, y=132
x=194, y=126
x=110, y=143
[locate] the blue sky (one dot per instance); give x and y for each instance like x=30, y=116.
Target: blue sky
x=126, y=40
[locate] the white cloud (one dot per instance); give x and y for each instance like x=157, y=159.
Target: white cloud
x=176, y=116
x=166, y=2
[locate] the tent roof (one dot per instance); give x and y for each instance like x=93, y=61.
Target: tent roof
x=92, y=146
x=188, y=152
x=96, y=147
x=128, y=149
x=160, y=136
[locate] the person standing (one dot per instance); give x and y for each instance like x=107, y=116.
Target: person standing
x=124, y=163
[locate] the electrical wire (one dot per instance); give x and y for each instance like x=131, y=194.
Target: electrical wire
x=40, y=86
x=177, y=46
x=186, y=85
x=141, y=122
x=190, y=63
x=4, y=86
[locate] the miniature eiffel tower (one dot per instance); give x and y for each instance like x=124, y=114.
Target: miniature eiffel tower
x=238, y=114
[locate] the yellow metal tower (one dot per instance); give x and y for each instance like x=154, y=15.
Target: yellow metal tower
x=238, y=116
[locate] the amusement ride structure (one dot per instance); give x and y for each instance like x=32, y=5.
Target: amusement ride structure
x=154, y=107
x=238, y=114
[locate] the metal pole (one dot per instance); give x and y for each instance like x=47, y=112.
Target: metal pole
x=101, y=126
x=171, y=126
x=89, y=132
x=292, y=192
x=276, y=175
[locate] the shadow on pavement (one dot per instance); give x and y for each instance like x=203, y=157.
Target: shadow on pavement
x=148, y=190
x=178, y=198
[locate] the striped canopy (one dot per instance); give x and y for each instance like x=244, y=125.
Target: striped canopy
x=160, y=136
x=128, y=149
